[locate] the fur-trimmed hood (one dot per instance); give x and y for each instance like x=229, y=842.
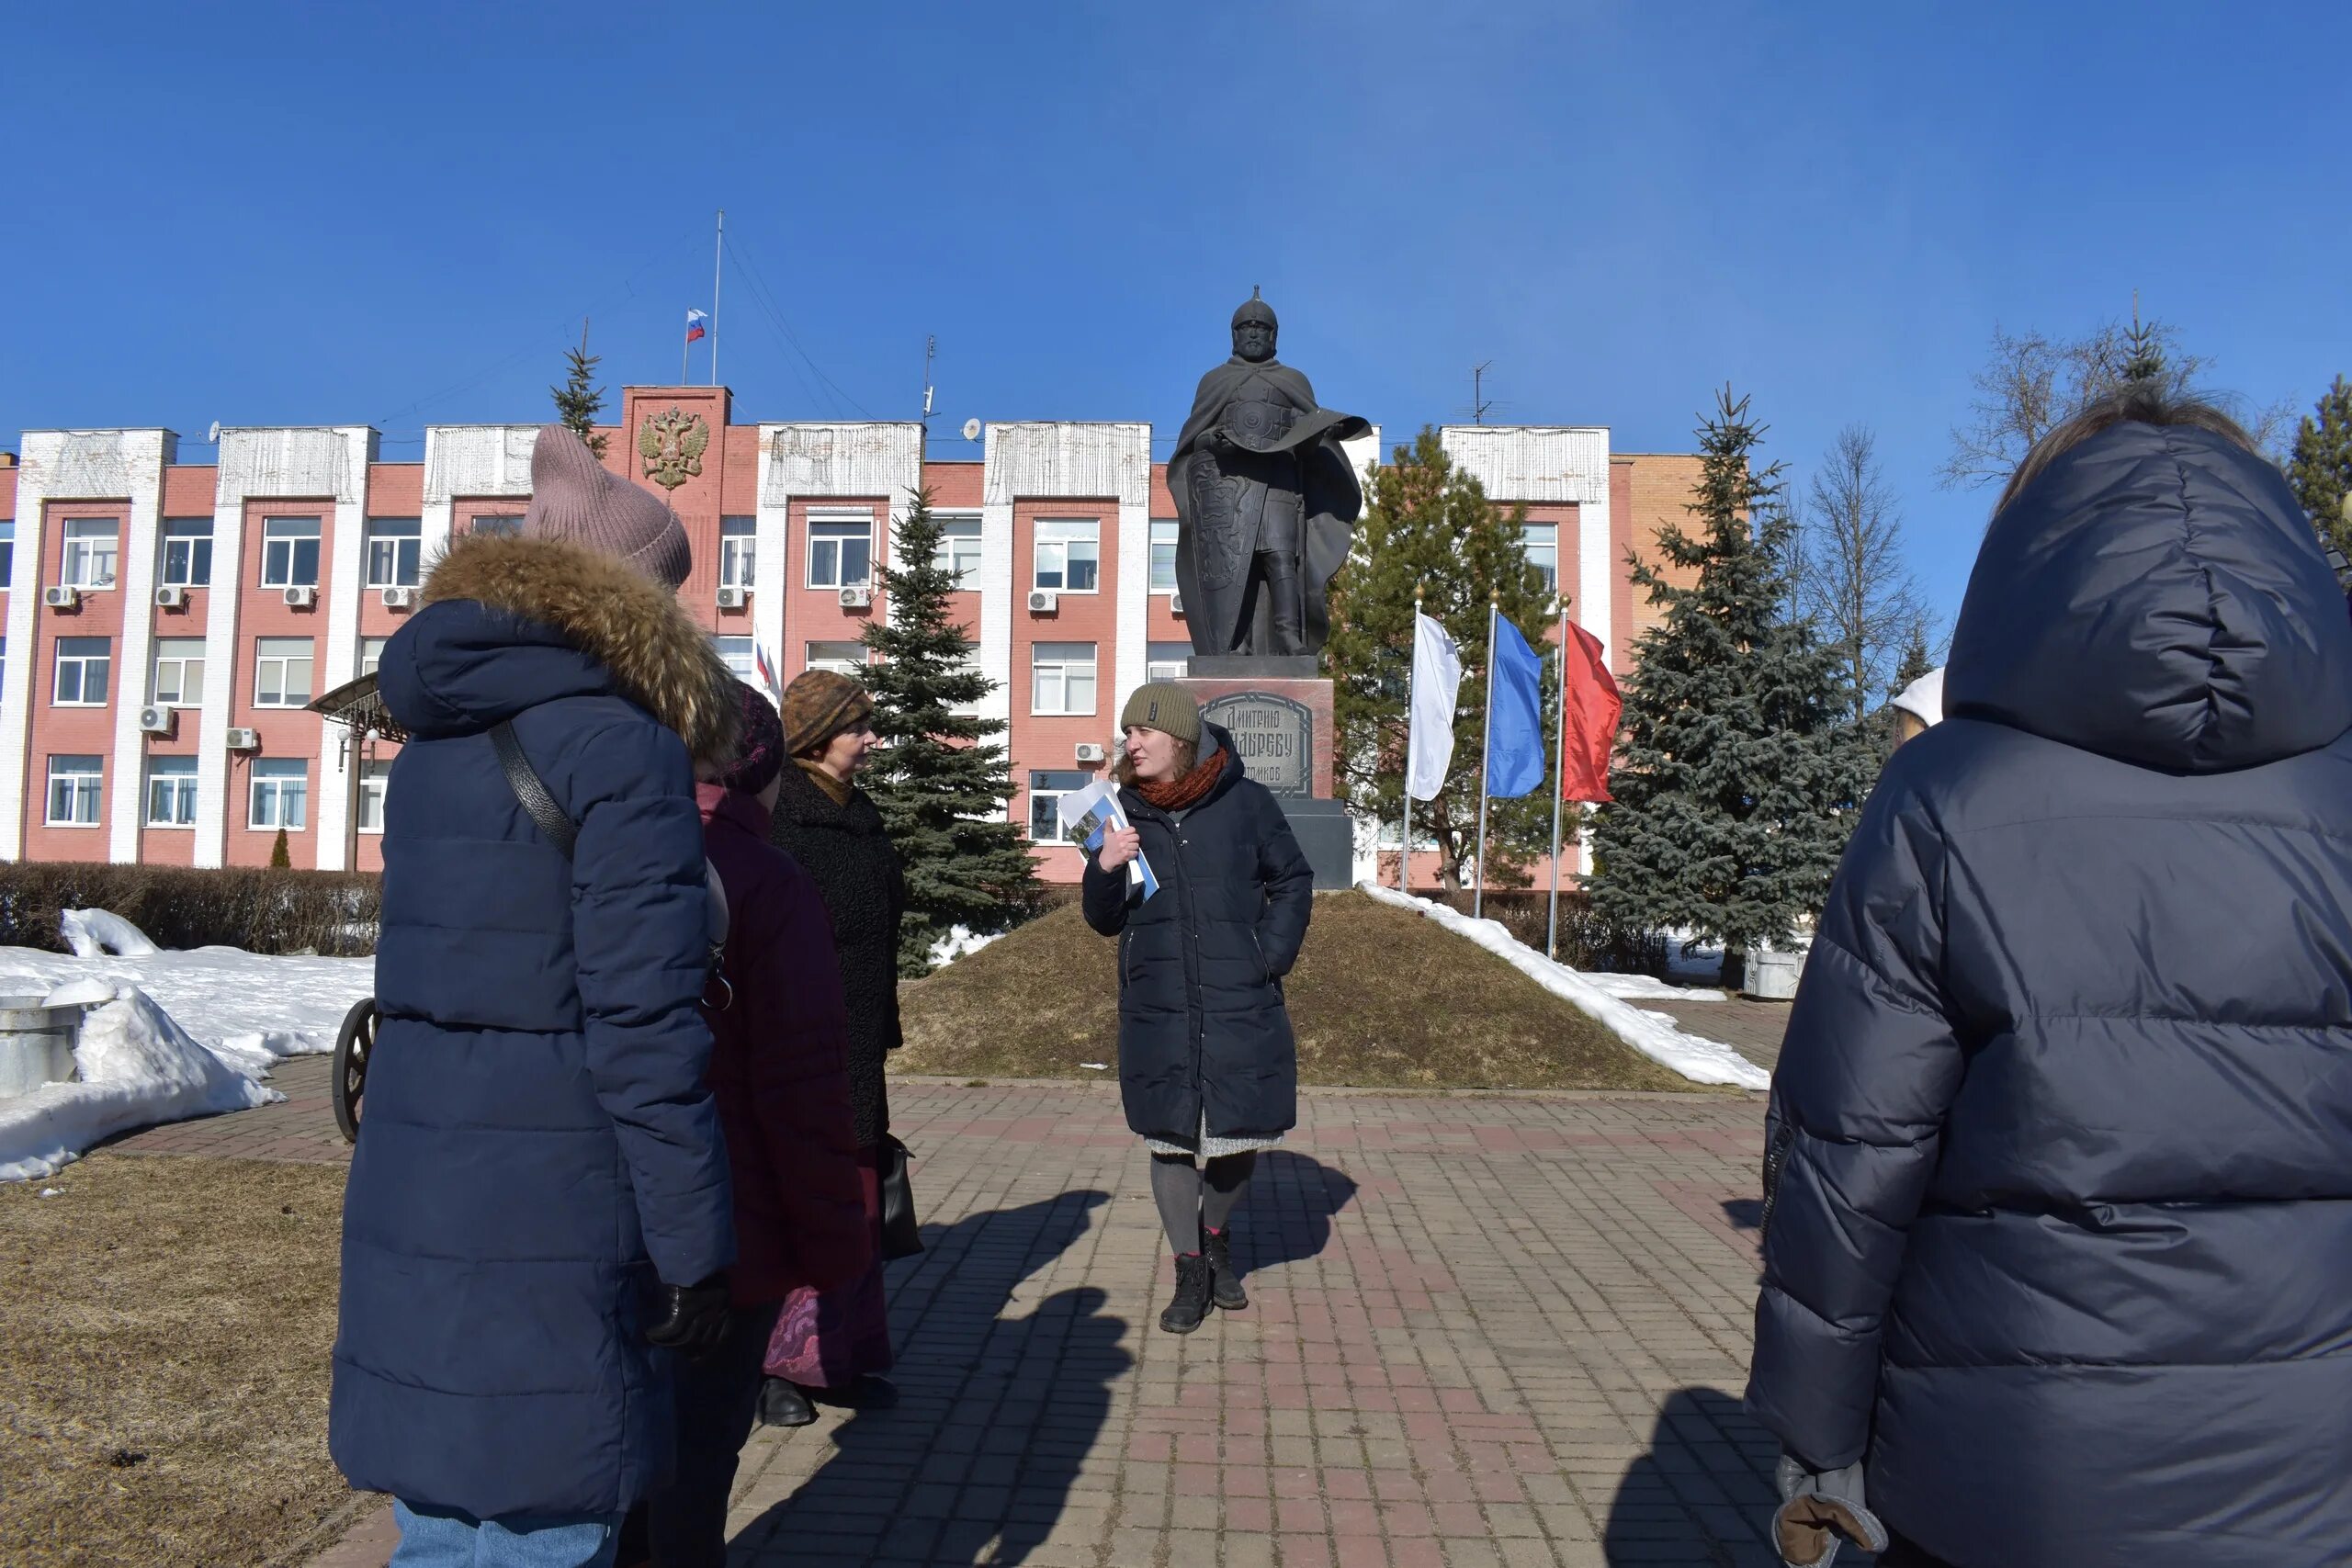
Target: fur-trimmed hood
x=510, y=623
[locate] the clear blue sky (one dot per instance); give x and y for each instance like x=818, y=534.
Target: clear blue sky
x=397, y=215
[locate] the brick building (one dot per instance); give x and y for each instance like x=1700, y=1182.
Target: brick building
x=166, y=623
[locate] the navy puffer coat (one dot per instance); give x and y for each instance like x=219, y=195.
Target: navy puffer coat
x=537, y=1146
x=2059, y=1222
x=1202, y=1028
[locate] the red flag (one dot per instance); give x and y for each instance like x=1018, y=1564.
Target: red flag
x=1590, y=707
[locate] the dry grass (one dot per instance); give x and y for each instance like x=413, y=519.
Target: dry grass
x=1381, y=999
x=164, y=1331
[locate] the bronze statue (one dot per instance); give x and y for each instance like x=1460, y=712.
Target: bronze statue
x=1266, y=501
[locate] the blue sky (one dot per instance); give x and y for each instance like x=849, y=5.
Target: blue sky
x=324, y=213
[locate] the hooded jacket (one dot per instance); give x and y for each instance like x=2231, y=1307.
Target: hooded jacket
x=539, y=1147
x=1204, y=1037
x=2058, y=1226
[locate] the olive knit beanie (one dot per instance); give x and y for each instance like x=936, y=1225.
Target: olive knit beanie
x=820, y=705
x=575, y=497
x=1166, y=706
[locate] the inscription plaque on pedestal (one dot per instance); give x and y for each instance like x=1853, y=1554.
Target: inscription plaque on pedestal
x=1273, y=736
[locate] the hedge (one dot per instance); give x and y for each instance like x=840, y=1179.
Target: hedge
x=329, y=912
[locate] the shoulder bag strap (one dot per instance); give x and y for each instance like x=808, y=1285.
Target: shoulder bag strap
x=531, y=790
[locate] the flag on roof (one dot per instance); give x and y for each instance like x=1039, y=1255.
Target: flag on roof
x=694, y=328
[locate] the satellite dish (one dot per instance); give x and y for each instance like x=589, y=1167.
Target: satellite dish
x=971, y=430
x=213, y=435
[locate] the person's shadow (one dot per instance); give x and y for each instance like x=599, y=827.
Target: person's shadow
x=1286, y=1216
x=1705, y=1453
x=997, y=1410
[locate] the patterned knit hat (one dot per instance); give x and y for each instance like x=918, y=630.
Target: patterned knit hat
x=759, y=754
x=1166, y=706
x=820, y=705
x=575, y=497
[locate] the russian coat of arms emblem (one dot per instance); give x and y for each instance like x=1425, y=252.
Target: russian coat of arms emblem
x=672, y=444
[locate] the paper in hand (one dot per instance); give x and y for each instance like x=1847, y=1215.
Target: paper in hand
x=1095, y=809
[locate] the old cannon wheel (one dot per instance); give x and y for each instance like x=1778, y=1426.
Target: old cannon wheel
x=352, y=1044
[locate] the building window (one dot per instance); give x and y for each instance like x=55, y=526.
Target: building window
x=737, y=539
x=742, y=655
x=1541, y=542
x=505, y=524
x=171, y=792
x=840, y=658
x=7, y=552
x=375, y=778
x=187, y=552
x=3, y=662
x=371, y=653
x=1163, y=555
x=91, y=545
x=1045, y=792
x=840, y=551
x=281, y=792
x=73, y=786
x=1069, y=554
x=1168, y=660
x=394, y=551
x=84, y=664
x=959, y=545
x=282, y=672
x=179, y=671
x=1061, y=678
x=290, y=552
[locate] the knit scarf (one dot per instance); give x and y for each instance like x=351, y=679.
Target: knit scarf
x=836, y=790
x=1177, y=795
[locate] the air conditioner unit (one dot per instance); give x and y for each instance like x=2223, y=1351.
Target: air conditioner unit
x=62, y=597
x=730, y=597
x=156, y=720
x=171, y=596
x=858, y=598
x=1043, y=603
x=399, y=598
x=1175, y=603
x=301, y=597
x=1088, y=751
x=245, y=740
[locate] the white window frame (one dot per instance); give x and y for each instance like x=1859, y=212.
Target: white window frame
x=1157, y=666
x=743, y=656
x=375, y=792
x=186, y=698
x=400, y=540
x=1059, y=669
x=281, y=551
x=1537, y=548
x=739, y=539
x=193, y=539
x=283, y=659
x=371, y=653
x=838, y=662
x=845, y=527
x=92, y=560
x=268, y=792
x=959, y=545
x=104, y=660
x=179, y=773
x=507, y=524
x=7, y=550
x=1053, y=537
x=88, y=783
x=1046, y=799
x=1163, y=537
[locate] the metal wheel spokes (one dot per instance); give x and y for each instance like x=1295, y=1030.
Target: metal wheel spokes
x=354, y=1043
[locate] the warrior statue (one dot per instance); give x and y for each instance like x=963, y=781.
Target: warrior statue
x=1266, y=501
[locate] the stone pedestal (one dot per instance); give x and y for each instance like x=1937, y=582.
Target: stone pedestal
x=1281, y=728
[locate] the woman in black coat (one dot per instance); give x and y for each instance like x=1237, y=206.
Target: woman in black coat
x=834, y=1344
x=1207, y=1064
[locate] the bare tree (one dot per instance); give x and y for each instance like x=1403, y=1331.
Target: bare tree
x=2032, y=382
x=1850, y=579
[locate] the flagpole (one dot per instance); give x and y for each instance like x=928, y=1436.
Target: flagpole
x=1487, y=755
x=1559, y=785
x=685, y=347
x=1405, y=844
x=718, y=254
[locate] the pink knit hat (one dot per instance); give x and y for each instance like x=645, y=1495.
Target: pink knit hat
x=575, y=497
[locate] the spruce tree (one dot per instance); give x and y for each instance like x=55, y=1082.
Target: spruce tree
x=941, y=783
x=579, y=400
x=1918, y=660
x=281, y=857
x=2320, y=468
x=1739, y=764
x=1428, y=525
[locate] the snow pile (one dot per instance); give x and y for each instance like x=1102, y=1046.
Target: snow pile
x=1649, y=989
x=138, y=1068
x=94, y=933
x=1654, y=1034
x=958, y=943
x=242, y=1004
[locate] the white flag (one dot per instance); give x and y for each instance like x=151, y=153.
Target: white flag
x=1437, y=683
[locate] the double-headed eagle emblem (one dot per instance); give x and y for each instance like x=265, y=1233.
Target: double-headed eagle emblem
x=672, y=444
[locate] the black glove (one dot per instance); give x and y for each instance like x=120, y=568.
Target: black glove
x=1818, y=1510
x=690, y=1319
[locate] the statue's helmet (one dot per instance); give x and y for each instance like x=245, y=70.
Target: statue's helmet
x=1254, y=310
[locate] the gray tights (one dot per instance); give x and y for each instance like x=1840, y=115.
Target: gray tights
x=1189, y=1196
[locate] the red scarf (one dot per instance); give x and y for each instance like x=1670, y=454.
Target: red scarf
x=1176, y=795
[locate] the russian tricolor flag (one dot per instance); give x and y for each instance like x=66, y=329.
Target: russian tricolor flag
x=694, y=328
x=767, y=673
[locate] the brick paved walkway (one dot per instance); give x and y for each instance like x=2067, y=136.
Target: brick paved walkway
x=1753, y=1029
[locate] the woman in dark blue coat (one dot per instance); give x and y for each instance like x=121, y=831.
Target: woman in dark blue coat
x=539, y=1185
x=2058, y=1224
x=1208, y=1062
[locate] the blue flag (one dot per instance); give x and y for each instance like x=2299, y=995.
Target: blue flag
x=1515, y=732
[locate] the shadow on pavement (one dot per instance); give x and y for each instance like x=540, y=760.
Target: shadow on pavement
x=1745, y=1214
x=1285, y=1217
x=1702, y=1493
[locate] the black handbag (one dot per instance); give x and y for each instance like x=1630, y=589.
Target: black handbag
x=901, y=1237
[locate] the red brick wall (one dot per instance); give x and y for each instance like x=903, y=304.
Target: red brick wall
x=73, y=731
x=285, y=732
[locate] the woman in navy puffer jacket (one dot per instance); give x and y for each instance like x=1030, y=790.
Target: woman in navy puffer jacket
x=540, y=1182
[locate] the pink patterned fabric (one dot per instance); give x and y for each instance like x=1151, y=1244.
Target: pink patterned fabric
x=830, y=1339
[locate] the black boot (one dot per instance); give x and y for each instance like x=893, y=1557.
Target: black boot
x=1225, y=1280
x=1192, y=1300
x=783, y=1404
